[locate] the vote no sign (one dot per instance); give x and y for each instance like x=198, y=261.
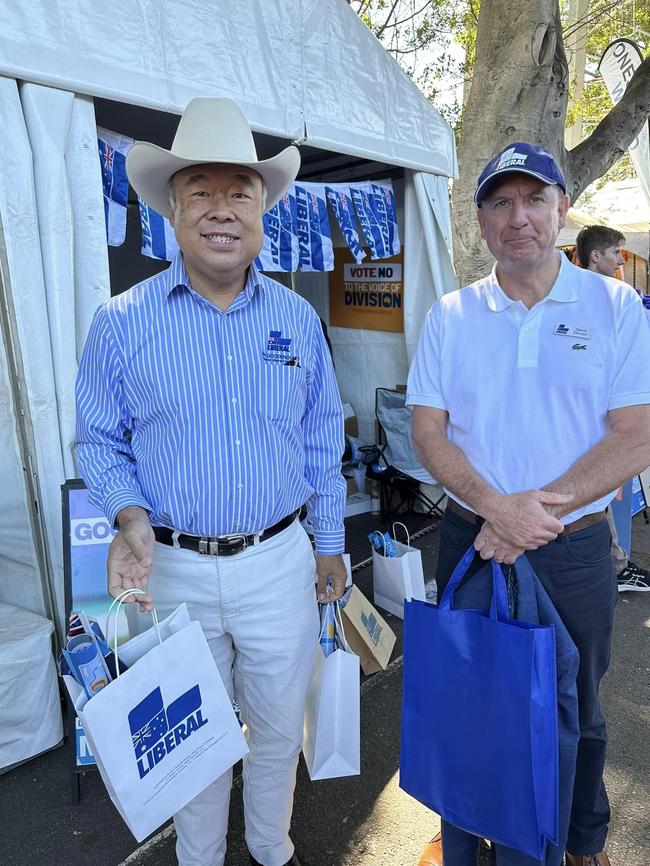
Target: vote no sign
x=367, y=295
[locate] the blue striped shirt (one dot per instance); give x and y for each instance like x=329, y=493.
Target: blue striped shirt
x=194, y=414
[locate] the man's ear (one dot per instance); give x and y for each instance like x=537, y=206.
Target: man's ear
x=565, y=204
x=594, y=256
x=481, y=221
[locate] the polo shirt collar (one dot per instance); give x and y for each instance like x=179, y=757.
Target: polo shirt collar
x=566, y=287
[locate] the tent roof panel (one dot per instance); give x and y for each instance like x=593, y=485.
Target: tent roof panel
x=305, y=70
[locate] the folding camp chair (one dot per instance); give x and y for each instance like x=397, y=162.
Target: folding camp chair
x=398, y=471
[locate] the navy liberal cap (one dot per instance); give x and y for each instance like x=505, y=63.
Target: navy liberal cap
x=523, y=158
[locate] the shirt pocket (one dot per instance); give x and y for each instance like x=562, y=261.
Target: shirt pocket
x=284, y=393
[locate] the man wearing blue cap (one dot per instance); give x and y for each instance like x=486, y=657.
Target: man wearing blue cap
x=531, y=397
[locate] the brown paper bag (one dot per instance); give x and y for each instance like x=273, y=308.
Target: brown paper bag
x=368, y=634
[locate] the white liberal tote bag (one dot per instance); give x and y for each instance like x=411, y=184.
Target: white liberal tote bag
x=164, y=729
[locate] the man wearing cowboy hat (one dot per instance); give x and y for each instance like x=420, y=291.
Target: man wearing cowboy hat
x=208, y=414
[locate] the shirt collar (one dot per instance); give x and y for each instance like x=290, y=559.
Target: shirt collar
x=566, y=287
x=176, y=277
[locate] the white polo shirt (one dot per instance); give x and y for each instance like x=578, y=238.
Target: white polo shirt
x=528, y=391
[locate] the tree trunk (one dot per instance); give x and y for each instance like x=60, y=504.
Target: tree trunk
x=519, y=93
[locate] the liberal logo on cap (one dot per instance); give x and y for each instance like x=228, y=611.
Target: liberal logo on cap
x=524, y=158
x=511, y=157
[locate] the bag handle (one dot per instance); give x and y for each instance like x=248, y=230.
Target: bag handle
x=116, y=601
x=499, y=605
x=404, y=527
x=383, y=540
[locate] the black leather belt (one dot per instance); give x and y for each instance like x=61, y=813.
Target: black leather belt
x=477, y=520
x=225, y=545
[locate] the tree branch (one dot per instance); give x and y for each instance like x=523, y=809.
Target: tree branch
x=613, y=135
x=388, y=17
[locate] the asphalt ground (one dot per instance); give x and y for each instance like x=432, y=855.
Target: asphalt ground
x=358, y=821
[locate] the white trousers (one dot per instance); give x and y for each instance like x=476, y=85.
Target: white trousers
x=259, y=613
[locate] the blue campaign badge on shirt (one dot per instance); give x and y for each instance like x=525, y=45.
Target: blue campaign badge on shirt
x=563, y=330
x=278, y=350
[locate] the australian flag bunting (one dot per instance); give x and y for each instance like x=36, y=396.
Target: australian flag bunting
x=158, y=238
x=112, y=157
x=340, y=199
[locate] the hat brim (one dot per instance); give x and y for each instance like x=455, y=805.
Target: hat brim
x=483, y=189
x=149, y=168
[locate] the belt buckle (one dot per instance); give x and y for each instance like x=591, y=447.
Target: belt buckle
x=210, y=546
x=230, y=542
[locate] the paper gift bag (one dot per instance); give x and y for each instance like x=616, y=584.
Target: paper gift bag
x=479, y=741
x=163, y=730
x=331, y=738
x=368, y=634
x=396, y=578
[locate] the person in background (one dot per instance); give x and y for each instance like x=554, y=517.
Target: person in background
x=600, y=249
x=531, y=404
x=207, y=415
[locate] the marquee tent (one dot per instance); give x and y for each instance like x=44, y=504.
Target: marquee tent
x=306, y=71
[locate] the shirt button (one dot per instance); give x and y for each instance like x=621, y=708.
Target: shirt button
x=234, y=400
x=237, y=442
x=240, y=485
x=230, y=357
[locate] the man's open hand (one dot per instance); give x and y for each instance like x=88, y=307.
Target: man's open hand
x=130, y=556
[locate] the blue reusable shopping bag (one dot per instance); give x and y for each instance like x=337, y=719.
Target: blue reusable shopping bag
x=479, y=718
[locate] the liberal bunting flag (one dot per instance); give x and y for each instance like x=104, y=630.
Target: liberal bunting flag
x=112, y=157
x=158, y=238
x=315, y=249
x=375, y=206
x=338, y=195
x=280, y=249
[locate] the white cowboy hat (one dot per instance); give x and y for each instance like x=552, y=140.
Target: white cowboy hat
x=210, y=130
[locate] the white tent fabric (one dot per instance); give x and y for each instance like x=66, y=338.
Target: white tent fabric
x=30, y=709
x=428, y=267
x=56, y=284
x=20, y=579
x=393, y=122
x=308, y=70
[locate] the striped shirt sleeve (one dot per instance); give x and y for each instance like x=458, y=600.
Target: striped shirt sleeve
x=103, y=451
x=324, y=444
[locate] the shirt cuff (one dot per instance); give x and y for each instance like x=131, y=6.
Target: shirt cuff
x=329, y=542
x=117, y=500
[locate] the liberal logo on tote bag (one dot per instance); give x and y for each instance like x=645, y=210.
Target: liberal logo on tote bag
x=156, y=730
